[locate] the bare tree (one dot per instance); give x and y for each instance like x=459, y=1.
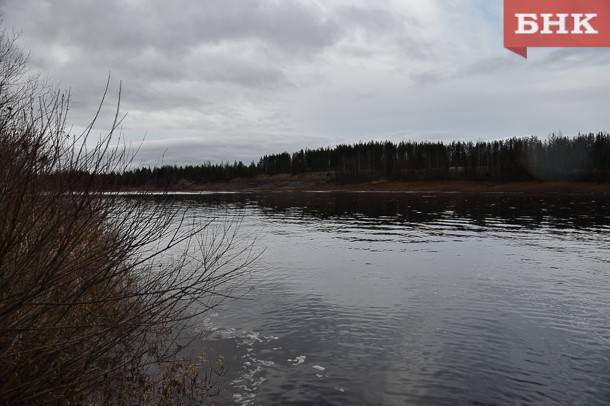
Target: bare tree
x=94, y=286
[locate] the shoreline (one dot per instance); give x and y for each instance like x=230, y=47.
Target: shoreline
x=322, y=184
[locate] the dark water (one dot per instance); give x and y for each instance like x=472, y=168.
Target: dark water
x=438, y=299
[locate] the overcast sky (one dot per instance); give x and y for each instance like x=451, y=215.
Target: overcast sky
x=233, y=79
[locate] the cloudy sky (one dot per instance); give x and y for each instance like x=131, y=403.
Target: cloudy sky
x=233, y=79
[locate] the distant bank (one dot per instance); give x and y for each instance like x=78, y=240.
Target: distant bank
x=516, y=164
x=325, y=183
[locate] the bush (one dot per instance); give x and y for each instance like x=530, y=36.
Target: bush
x=90, y=304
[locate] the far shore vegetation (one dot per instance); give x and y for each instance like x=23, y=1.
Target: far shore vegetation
x=582, y=158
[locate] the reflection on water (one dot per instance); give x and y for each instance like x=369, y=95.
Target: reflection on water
x=418, y=299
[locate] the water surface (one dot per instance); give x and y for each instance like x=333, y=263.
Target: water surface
x=429, y=299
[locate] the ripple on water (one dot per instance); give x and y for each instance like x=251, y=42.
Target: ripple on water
x=423, y=300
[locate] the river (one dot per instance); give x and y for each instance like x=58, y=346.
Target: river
x=427, y=299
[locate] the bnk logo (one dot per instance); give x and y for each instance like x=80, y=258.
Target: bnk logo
x=556, y=23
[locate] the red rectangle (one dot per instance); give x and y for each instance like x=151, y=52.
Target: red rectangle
x=572, y=12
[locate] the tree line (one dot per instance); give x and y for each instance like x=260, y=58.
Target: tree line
x=584, y=157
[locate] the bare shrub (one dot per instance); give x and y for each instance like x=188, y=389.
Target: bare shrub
x=90, y=307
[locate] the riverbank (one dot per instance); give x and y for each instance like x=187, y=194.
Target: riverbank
x=326, y=183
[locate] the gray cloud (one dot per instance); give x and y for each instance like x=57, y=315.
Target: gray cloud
x=233, y=79
x=117, y=26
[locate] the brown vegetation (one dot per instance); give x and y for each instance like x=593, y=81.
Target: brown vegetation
x=327, y=182
x=91, y=302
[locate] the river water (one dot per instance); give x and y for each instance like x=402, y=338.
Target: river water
x=427, y=299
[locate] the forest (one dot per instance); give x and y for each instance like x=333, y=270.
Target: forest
x=585, y=157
